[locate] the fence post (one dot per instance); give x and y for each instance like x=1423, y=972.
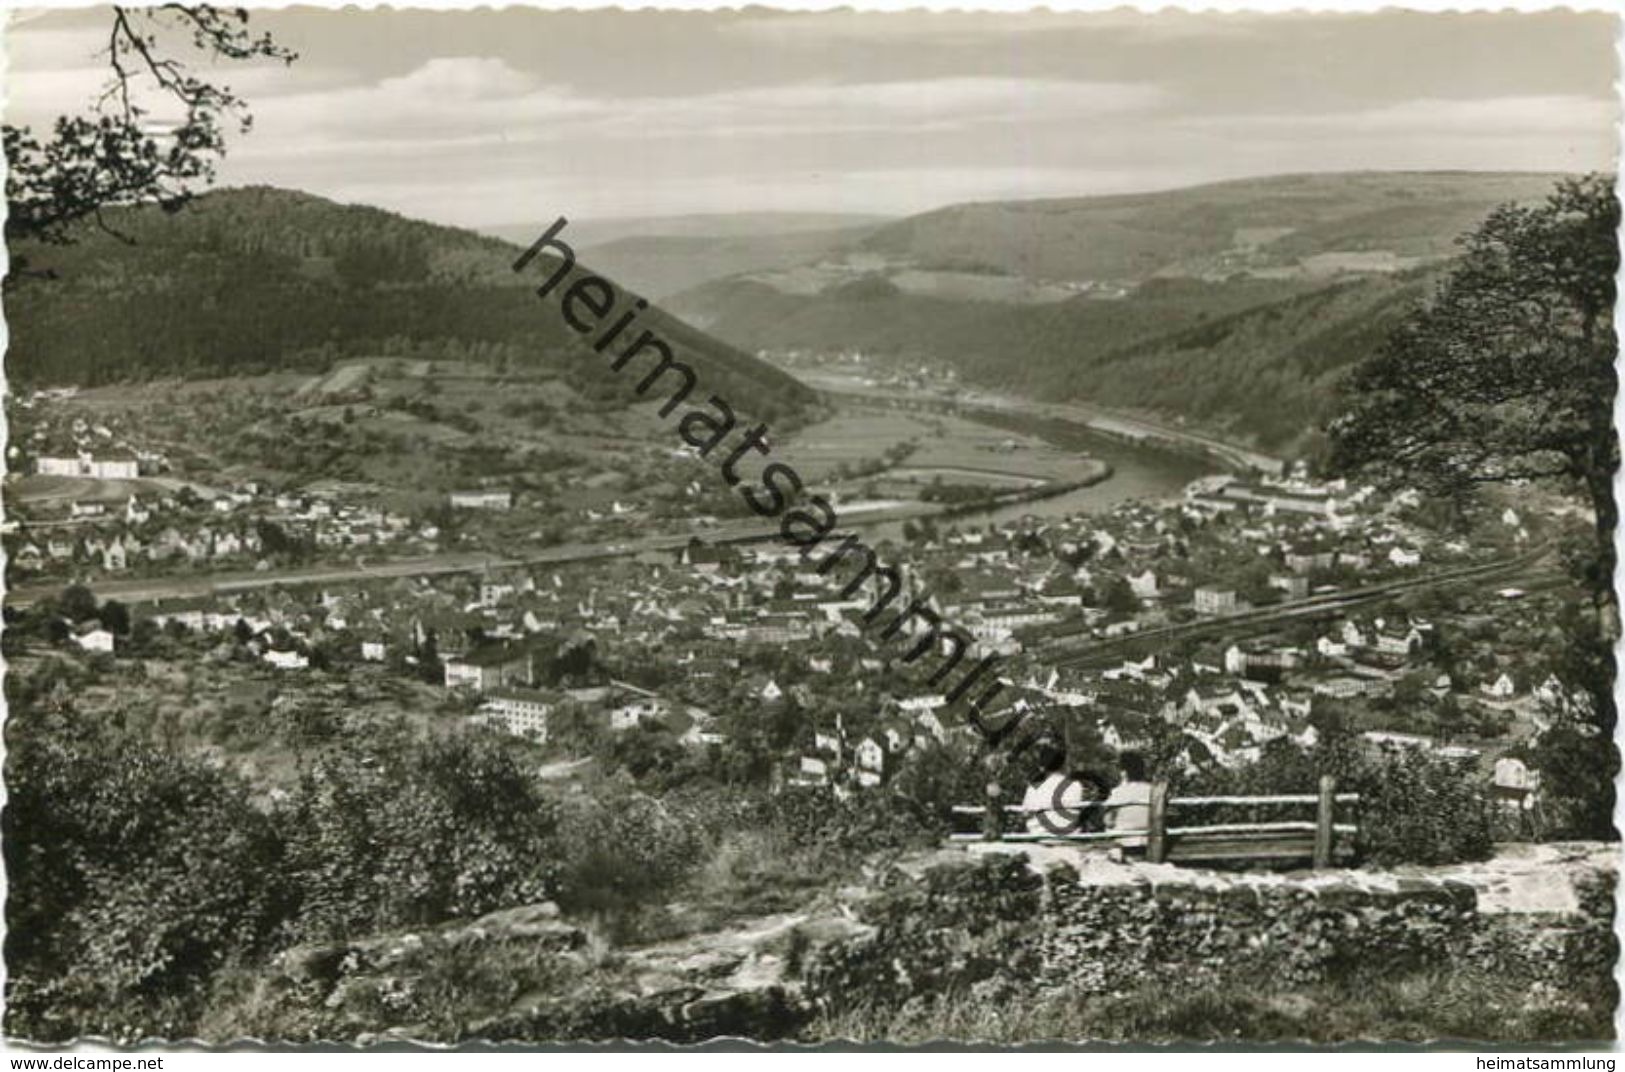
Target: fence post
x=993, y=815
x=1156, y=842
x=1323, y=821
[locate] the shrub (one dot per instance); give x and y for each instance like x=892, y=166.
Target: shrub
x=624, y=848
x=1418, y=807
x=1415, y=806
x=816, y=817
x=135, y=875
x=405, y=832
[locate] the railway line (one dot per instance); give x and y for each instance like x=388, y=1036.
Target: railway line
x=1072, y=649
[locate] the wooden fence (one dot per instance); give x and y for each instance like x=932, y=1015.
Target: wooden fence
x=1323, y=842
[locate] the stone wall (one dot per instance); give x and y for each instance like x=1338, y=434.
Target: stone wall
x=996, y=924
x=996, y=921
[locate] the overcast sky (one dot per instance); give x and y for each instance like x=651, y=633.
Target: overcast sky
x=481, y=118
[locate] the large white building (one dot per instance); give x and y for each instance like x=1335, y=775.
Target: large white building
x=1215, y=601
x=88, y=465
x=482, y=500
x=522, y=712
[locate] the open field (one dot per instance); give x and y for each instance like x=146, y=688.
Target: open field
x=964, y=474
x=959, y=450
x=35, y=488
x=947, y=284
x=163, y=392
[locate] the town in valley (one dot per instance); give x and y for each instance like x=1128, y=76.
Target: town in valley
x=1161, y=592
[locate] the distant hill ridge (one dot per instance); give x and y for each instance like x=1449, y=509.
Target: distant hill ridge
x=1134, y=236
x=660, y=255
x=1236, y=306
x=591, y=232
x=662, y=265
x=261, y=279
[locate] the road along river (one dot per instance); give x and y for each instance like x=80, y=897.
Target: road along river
x=1137, y=471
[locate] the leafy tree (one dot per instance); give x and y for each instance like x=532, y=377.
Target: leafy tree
x=114, y=156
x=1415, y=806
x=1410, y=691
x=1508, y=374
x=1116, y=595
x=648, y=752
x=575, y=660
x=1578, y=770
x=934, y=778
x=135, y=875
x=115, y=617
x=599, y=874
x=77, y=603
x=1253, y=585
x=399, y=832
x=275, y=540
x=143, y=636
x=1337, y=743
x=1450, y=718
x=1576, y=757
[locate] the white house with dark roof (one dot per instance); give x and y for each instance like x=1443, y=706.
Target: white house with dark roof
x=488, y=667
x=95, y=639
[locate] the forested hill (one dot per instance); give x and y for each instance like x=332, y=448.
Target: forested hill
x=1274, y=222
x=1235, y=307
x=244, y=281
x=1255, y=360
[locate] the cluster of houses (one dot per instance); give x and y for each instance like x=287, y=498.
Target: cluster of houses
x=112, y=538
x=723, y=602
x=863, y=760
x=90, y=536
x=85, y=447
x=759, y=625
x=503, y=675
x=1338, y=526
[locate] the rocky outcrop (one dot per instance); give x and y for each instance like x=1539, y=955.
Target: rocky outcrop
x=551, y=980
x=743, y=981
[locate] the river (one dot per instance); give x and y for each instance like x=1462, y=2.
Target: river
x=1138, y=472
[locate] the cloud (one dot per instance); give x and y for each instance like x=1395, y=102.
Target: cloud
x=35, y=48
x=459, y=79
x=943, y=103
x=466, y=102
x=37, y=94
x=819, y=30
x=481, y=118
x=1534, y=115
x=503, y=197
x=54, y=70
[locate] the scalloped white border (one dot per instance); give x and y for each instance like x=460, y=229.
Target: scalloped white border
x=1211, y=7
x=11, y=8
